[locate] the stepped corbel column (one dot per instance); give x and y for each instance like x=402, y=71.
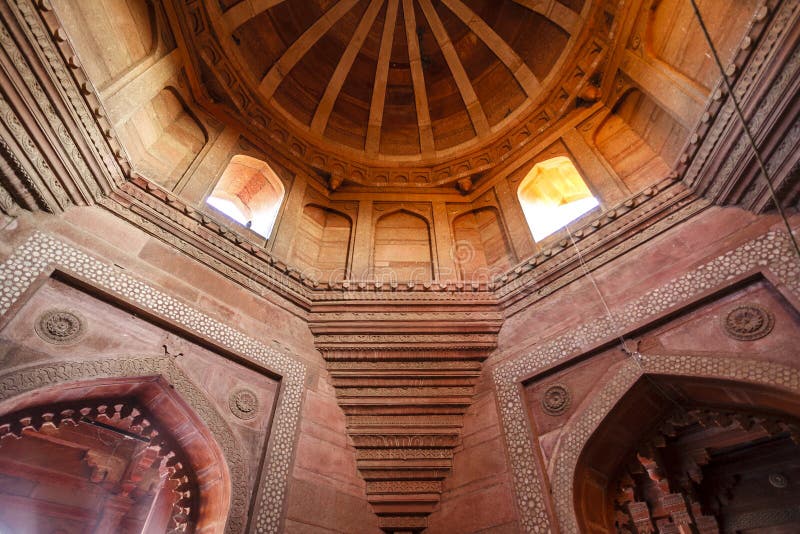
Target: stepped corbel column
x=404, y=375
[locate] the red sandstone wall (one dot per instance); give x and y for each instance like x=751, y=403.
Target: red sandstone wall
x=325, y=493
x=479, y=496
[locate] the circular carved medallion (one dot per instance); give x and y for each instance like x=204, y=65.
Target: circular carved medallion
x=777, y=480
x=556, y=399
x=60, y=327
x=748, y=322
x=243, y=403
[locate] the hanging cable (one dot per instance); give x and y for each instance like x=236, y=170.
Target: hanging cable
x=634, y=355
x=588, y=274
x=745, y=126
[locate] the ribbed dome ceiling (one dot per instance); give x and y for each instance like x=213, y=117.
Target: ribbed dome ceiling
x=399, y=80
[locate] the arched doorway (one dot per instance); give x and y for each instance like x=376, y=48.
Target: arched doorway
x=110, y=455
x=699, y=453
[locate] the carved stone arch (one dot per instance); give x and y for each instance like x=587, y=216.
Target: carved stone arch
x=639, y=138
x=481, y=243
x=323, y=243
x=618, y=382
x=28, y=387
x=409, y=210
x=164, y=137
x=727, y=27
x=403, y=253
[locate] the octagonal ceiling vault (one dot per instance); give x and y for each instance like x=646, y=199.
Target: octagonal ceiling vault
x=366, y=88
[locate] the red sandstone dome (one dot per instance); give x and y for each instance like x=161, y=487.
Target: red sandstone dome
x=399, y=266
x=360, y=88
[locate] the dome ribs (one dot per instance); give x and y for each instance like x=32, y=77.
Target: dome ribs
x=323, y=112
x=244, y=11
x=393, y=89
x=269, y=84
x=381, y=77
x=473, y=105
x=418, y=78
x=556, y=12
x=506, y=54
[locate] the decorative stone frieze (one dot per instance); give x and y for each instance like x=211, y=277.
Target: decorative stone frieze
x=404, y=380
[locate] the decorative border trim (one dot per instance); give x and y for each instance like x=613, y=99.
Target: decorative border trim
x=624, y=377
x=42, y=251
x=771, y=251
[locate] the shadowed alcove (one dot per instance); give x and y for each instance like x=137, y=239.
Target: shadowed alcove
x=684, y=454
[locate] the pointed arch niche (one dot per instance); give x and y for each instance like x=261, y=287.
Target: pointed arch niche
x=130, y=444
x=675, y=37
x=481, y=247
x=322, y=243
x=402, y=248
x=164, y=137
x=111, y=37
x=640, y=140
x=250, y=193
x=674, y=457
x=552, y=195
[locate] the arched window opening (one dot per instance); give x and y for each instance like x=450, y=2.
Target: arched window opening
x=250, y=193
x=552, y=195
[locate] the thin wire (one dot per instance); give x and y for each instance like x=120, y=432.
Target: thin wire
x=745, y=126
x=588, y=274
x=634, y=355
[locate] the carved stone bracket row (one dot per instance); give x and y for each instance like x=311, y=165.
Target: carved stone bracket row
x=404, y=384
x=128, y=416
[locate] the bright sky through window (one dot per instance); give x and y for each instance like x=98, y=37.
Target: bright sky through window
x=250, y=193
x=228, y=208
x=552, y=195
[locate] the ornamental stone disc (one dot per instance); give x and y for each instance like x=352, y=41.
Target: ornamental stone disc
x=243, y=403
x=748, y=322
x=556, y=399
x=60, y=327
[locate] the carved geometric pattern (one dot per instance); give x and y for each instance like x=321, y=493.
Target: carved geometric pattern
x=404, y=386
x=556, y=399
x=748, y=322
x=42, y=252
x=761, y=518
x=771, y=252
x=60, y=327
x=404, y=416
x=243, y=403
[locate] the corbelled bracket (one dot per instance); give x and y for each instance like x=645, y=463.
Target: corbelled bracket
x=404, y=381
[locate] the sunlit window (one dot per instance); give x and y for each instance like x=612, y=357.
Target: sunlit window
x=552, y=195
x=229, y=208
x=250, y=193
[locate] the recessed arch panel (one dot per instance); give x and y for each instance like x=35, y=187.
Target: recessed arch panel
x=402, y=247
